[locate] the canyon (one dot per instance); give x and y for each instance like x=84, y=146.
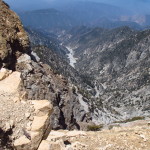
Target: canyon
x=81, y=88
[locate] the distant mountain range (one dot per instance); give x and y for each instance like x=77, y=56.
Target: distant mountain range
x=83, y=13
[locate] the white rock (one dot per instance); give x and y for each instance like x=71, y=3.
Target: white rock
x=76, y=133
x=35, y=56
x=56, y=135
x=27, y=115
x=39, y=123
x=4, y=73
x=11, y=83
x=45, y=145
x=22, y=143
x=29, y=126
x=42, y=107
x=24, y=58
x=7, y=126
x=11, y=122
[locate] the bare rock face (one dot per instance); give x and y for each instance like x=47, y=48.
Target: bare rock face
x=40, y=82
x=27, y=122
x=27, y=88
x=118, y=64
x=13, y=39
x=23, y=123
x=37, y=80
x=35, y=132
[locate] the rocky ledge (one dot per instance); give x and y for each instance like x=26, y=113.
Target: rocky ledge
x=27, y=89
x=38, y=80
x=13, y=39
x=129, y=136
x=23, y=123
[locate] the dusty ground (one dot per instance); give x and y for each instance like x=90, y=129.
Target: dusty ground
x=132, y=136
x=14, y=114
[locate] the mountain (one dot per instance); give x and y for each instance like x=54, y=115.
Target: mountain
x=49, y=19
x=108, y=53
x=117, y=60
x=109, y=24
x=86, y=12
x=52, y=52
x=112, y=55
x=71, y=14
x=34, y=98
x=136, y=6
x=42, y=38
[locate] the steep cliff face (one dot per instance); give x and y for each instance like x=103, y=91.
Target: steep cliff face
x=23, y=123
x=38, y=80
x=13, y=38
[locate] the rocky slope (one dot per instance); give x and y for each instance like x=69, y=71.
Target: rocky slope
x=27, y=79
x=43, y=38
x=110, y=95
x=129, y=136
x=52, y=52
x=14, y=40
x=23, y=123
x=118, y=62
x=28, y=88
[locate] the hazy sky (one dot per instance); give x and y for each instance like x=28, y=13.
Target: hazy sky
x=136, y=5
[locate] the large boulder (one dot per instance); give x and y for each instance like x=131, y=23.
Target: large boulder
x=27, y=122
x=38, y=128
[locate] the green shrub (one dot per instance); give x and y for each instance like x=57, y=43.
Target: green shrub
x=130, y=120
x=94, y=127
x=74, y=90
x=111, y=126
x=134, y=119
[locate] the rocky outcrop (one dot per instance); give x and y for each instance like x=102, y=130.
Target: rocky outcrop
x=25, y=122
x=37, y=129
x=38, y=80
x=13, y=39
x=27, y=89
x=60, y=140
x=121, y=136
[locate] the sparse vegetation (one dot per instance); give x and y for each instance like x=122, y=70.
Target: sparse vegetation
x=74, y=90
x=94, y=127
x=130, y=120
x=111, y=126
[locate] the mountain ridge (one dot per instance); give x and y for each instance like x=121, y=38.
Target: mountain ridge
x=113, y=58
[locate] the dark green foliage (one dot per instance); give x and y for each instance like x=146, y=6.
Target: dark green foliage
x=84, y=93
x=94, y=127
x=111, y=126
x=132, y=119
x=74, y=90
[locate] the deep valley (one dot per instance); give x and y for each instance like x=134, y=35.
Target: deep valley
x=74, y=66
